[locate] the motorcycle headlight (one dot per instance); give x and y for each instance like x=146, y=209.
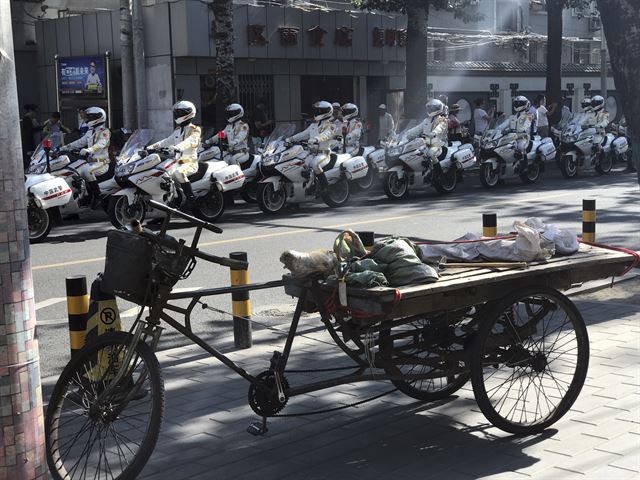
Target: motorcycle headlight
x=489, y=144
x=37, y=169
x=124, y=170
x=394, y=151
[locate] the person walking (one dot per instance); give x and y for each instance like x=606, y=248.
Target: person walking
x=55, y=130
x=481, y=117
x=542, y=116
x=386, y=125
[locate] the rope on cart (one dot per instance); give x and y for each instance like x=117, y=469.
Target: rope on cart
x=636, y=255
x=476, y=240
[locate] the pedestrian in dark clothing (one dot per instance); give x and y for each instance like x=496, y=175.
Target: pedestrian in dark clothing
x=29, y=127
x=260, y=124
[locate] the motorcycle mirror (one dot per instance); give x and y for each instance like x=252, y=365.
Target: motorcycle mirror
x=221, y=135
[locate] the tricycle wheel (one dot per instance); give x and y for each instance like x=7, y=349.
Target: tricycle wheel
x=529, y=360
x=431, y=348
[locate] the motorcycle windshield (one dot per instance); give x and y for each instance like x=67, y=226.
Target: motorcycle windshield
x=281, y=132
x=496, y=126
x=38, y=160
x=137, y=141
x=402, y=128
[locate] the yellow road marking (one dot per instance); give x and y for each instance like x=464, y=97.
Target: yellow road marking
x=314, y=230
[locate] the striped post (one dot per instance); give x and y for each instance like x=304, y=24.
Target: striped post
x=589, y=220
x=77, y=310
x=368, y=239
x=489, y=225
x=241, y=304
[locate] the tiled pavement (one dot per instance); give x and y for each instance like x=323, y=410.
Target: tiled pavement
x=396, y=437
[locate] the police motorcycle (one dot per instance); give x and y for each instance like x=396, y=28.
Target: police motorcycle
x=620, y=130
x=582, y=150
x=408, y=164
x=287, y=179
x=499, y=160
x=149, y=176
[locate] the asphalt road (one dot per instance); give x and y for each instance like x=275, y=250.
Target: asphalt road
x=77, y=248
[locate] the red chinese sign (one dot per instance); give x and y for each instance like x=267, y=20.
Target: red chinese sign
x=256, y=35
x=389, y=37
x=316, y=36
x=344, y=37
x=288, y=36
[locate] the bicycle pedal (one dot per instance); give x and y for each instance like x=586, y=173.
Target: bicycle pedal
x=257, y=428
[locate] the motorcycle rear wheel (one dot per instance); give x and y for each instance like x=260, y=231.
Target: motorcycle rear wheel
x=532, y=174
x=40, y=223
x=366, y=182
x=210, y=207
x=336, y=194
x=121, y=214
x=604, y=165
x=271, y=201
x=250, y=192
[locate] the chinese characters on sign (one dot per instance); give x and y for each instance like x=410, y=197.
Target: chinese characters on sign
x=316, y=35
x=288, y=36
x=256, y=35
x=343, y=36
x=81, y=76
x=390, y=37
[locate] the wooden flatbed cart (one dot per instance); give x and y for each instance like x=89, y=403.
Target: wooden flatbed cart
x=521, y=342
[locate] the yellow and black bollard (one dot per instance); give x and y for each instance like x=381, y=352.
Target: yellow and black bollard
x=489, y=225
x=368, y=239
x=77, y=311
x=589, y=220
x=241, y=304
x=103, y=315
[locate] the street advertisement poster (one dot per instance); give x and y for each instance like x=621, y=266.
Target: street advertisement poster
x=82, y=76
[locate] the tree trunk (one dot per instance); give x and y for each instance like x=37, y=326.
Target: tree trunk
x=621, y=24
x=223, y=39
x=126, y=61
x=415, y=95
x=554, y=55
x=21, y=416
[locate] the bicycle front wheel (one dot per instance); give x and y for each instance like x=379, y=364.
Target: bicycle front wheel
x=96, y=427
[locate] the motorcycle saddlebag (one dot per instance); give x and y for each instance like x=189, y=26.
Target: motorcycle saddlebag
x=547, y=150
x=355, y=168
x=620, y=145
x=465, y=156
x=229, y=177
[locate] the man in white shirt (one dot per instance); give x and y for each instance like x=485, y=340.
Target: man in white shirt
x=480, y=117
x=93, y=81
x=386, y=125
x=542, y=117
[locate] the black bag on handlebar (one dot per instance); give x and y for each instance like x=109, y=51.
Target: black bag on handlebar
x=135, y=263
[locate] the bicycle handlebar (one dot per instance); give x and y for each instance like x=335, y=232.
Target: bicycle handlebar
x=184, y=216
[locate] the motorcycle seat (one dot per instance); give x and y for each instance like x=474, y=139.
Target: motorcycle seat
x=108, y=174
x=332, y=162
x=247, y=163
x=443, y=155
x=530, y=146
x=202, y=169
x=604, y=141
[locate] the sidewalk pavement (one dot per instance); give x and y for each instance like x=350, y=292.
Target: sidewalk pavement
x=396, y=437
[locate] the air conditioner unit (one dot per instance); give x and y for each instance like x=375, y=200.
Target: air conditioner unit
x=594, y=24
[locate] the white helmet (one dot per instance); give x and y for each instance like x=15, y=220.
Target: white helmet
x=521, y=104
x=322, y=110
x=183, y=111
x=349, y=111
x=586, y=104
x=597, y=103
x=434, y=108
x=234, y=112
x=95, y=116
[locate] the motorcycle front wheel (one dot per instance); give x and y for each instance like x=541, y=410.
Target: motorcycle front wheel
x=336, y=194
x=40, y=223
x=210, y=207
x=569, y=166
x=121, y=213
x=447, y=181
x=269, y=199
x=489, y=176
x=394, y=187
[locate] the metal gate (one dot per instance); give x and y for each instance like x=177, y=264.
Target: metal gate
x=252, y=88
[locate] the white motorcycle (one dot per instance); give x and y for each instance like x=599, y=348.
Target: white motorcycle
x=410, y=165
x=582, y=152
x=149, y=176
x=499, y=160
x=287, y=178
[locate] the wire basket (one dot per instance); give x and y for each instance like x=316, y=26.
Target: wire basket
x=136, y=264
